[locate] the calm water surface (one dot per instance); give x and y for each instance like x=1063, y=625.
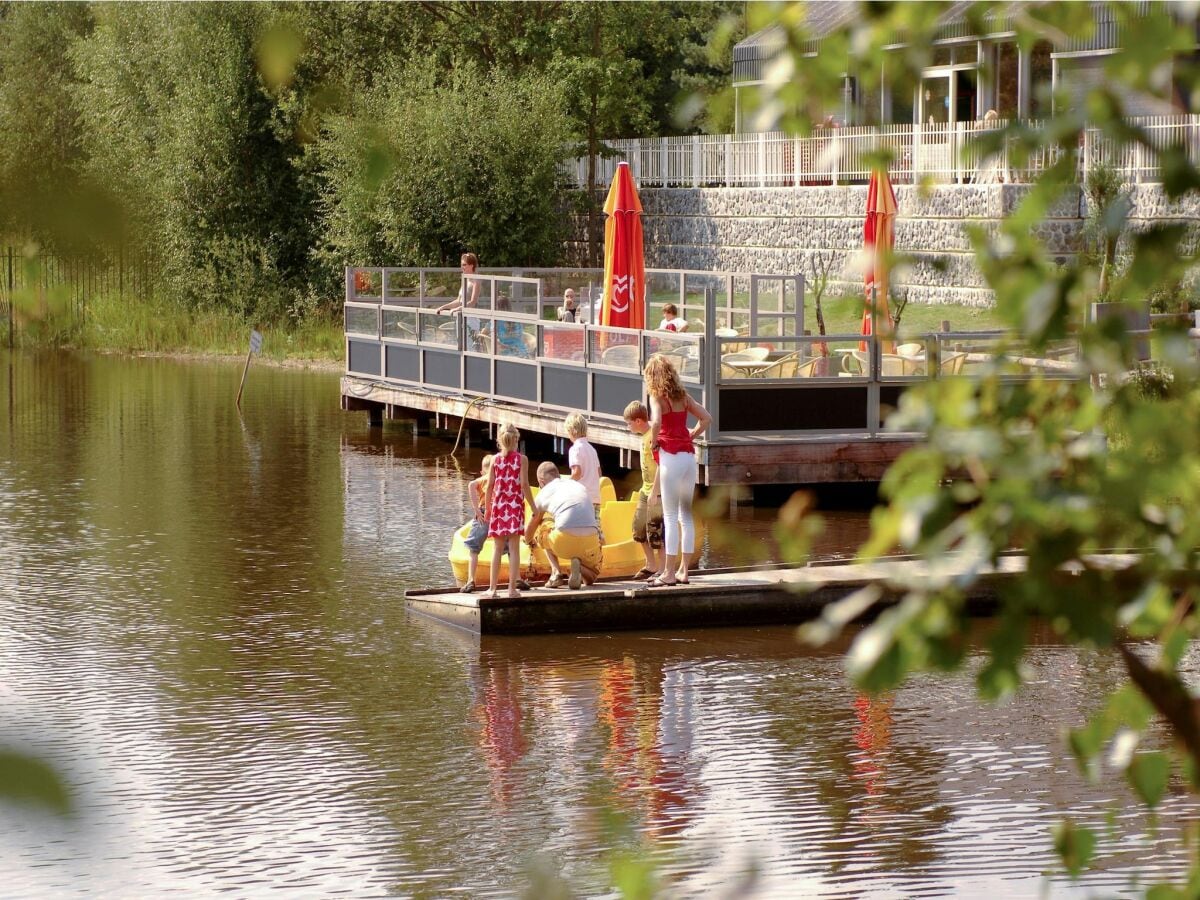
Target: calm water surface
x=202, y=627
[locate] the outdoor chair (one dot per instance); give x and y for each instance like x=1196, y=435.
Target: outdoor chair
x=892, y=364
x=808, y=368
x=623, y=356
x=784, y=367
x=749, y=355
x=856, y=362
x=952, y=363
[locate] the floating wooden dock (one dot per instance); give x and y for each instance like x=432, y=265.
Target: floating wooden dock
x=746, y=596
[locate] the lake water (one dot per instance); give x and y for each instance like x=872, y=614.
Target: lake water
x=202, y=627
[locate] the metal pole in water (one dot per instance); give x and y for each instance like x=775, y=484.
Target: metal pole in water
x=255, y=346
x=10, y=298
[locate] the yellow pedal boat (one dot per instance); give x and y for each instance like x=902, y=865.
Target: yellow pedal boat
x=622, y=555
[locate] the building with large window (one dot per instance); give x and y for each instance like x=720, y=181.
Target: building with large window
x=973, y=69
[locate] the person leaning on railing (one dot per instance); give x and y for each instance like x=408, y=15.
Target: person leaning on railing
x=469, y=263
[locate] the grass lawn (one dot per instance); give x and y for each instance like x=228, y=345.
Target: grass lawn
x=843, y=315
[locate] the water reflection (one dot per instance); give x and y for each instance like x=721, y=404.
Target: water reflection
x=201, y=624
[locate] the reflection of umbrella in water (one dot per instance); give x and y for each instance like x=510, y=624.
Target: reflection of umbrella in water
x=624, y=301
x=879, y=235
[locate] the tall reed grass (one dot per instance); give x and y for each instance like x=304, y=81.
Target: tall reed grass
x=110, y=322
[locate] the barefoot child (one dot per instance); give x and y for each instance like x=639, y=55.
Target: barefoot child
x=506, y=494
x=583, y=459
x=647, y=520
x=479, y=524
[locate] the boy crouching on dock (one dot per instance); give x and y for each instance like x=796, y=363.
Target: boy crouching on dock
x=574, y=536
x=647, y=519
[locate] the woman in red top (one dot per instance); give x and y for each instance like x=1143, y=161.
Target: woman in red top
x=506, y=492
x=672, y=440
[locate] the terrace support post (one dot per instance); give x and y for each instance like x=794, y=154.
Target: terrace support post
x=800, y=303
x=873, y=368
x=10, y=303
x=1024, y=83
x=712, y=364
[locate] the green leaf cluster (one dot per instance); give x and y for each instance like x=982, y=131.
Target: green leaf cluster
x=1093, y=480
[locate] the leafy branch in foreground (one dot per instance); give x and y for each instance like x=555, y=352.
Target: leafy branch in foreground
x=1068, y=470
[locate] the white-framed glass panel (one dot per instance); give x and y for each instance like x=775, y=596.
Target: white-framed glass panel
x=362, y=320
x=563, y=343
x=400, y=324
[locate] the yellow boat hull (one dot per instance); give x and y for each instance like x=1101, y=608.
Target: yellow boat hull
x=623, y=556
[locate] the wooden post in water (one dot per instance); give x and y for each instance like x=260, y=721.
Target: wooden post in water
x=255, y=346
x=10, y=297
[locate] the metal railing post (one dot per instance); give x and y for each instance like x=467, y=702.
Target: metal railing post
x=712, y=364
x=696, y=160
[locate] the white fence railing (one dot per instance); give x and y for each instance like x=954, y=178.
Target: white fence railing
x=941, y=153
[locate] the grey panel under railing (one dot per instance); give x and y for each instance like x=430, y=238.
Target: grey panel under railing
x=403, y=363
x=565, y=387
x=611, y=393
x=442, y=368
x=363, y=357
x=516, y=380
x=479, y=375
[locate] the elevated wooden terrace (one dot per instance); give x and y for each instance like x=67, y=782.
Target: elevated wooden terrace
x=787, y=407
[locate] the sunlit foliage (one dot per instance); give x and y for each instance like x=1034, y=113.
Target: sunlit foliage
x=1071, y=472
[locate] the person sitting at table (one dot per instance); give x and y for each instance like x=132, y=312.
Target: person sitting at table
x=510, y=336
x=568, y=312
x=671, y=320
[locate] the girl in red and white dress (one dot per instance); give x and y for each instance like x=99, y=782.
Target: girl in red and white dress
x=507, y=492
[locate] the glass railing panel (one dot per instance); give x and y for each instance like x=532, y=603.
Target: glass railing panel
x=615, y=348
x=362, y=320
x=400, y=324
x=793, y=358
x=563, y=343
x=513, y=339
x=440, y=330
x=366, y=284
x=402, y=285
x=441, y=287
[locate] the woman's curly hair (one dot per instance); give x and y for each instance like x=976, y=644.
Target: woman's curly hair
x=662, y=380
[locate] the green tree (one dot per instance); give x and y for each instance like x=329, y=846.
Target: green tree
x=41, y=154
x=177, y=119
x=1066, y=470
x=423, y=169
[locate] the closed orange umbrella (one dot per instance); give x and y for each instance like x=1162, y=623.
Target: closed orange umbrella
x=879, y=236
x=624, y=300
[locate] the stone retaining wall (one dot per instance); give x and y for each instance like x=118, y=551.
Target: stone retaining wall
x=783, y=230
